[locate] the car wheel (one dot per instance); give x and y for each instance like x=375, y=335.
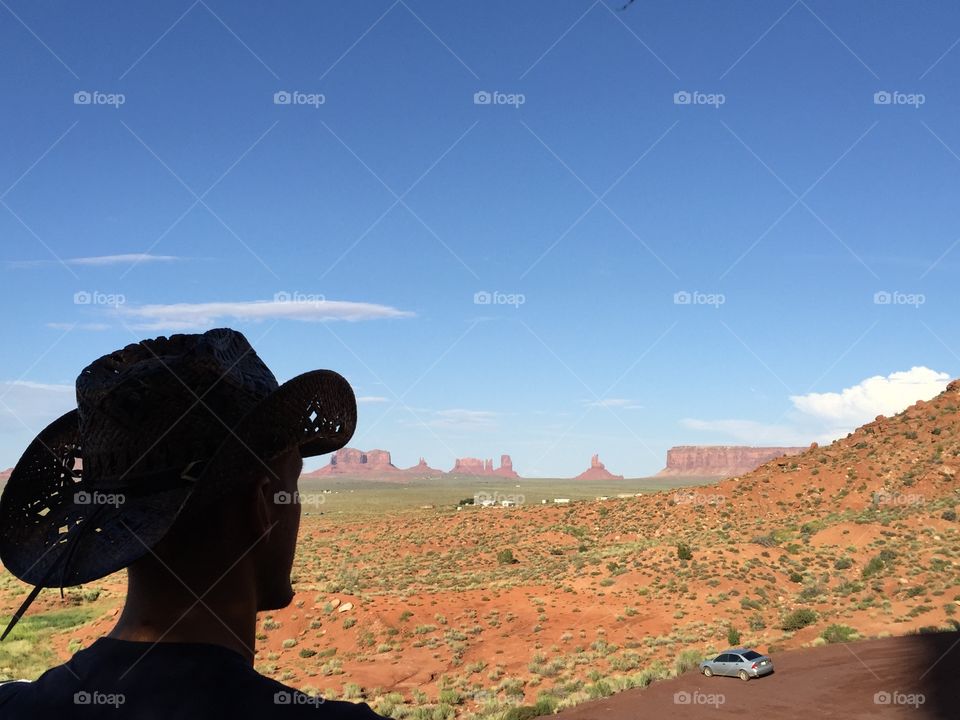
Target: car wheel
x=743, y=675
x=708, y=672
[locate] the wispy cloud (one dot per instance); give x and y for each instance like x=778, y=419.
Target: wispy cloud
x=456, y=419
x=625, y=403
x=27, y=407
x=78, y=326
x=824, y=417
x=99, y=260
x=372, y=399
x=189, y=316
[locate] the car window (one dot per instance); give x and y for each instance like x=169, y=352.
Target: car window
x=752, y=655
x=725, y=657
x=735, y=658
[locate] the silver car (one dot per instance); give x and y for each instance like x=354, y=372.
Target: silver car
x=738, y=662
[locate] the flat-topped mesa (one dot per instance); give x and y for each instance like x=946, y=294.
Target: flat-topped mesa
x=597, y=471
x=720, y=460
x=476, y=466
x=350, y=461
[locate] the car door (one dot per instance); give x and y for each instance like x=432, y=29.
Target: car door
x=736, y=664
x=721, y=665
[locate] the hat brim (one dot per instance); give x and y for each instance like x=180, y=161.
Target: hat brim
x=50, y=539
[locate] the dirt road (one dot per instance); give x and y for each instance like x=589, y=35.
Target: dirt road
x=915, y=677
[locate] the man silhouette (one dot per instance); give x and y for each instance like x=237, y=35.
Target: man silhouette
x=181, y=465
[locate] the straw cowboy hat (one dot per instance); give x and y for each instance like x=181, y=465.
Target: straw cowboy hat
x=158, y=424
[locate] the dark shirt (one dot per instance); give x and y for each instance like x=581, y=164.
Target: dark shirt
x=167, y=681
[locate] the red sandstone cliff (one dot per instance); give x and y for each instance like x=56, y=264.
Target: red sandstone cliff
x=720, y=460
x=350, y=461
x=597, y=471
x=475, y=466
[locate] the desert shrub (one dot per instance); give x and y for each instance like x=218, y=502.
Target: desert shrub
x=799, y=618
x=505, y=557
x=839, y=634
x=874, y=566
x=307, y=653
x=687, y=660
x=842, y=563
x=733, y=636
x=755, y=622
x=950, y=515
x=684, y=552
x=795, y=577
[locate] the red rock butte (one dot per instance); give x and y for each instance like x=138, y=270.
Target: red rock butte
x=597, y=471
x=475, y=466
x=350, y=461
x=720, y=460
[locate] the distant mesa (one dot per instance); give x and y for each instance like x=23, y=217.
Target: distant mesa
x=720, y=460
x=350, y=461
x=597, y=471
x=422, y=469
x=475, y=466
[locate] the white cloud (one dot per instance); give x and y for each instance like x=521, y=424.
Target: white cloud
x=28, y=407
x=459, y=419
x=189, y=316
x=99, y=260
x=877, y=395
x=370, y=399
x=78, y=326
x=625, y=403
x=824, y=417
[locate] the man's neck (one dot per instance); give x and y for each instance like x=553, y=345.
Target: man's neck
x=163, y=610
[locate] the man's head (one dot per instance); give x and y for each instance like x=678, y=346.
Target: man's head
x=252, y=532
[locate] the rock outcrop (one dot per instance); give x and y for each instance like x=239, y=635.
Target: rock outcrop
x=476, y=466
x=597, y=471
x=350, y=461
x=421, y=469
x=720, y=460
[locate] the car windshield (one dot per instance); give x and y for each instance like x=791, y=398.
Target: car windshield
x=751, y=655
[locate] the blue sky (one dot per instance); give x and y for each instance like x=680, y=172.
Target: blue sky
x=696, y=223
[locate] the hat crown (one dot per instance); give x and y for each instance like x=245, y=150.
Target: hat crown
x=161, y=404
